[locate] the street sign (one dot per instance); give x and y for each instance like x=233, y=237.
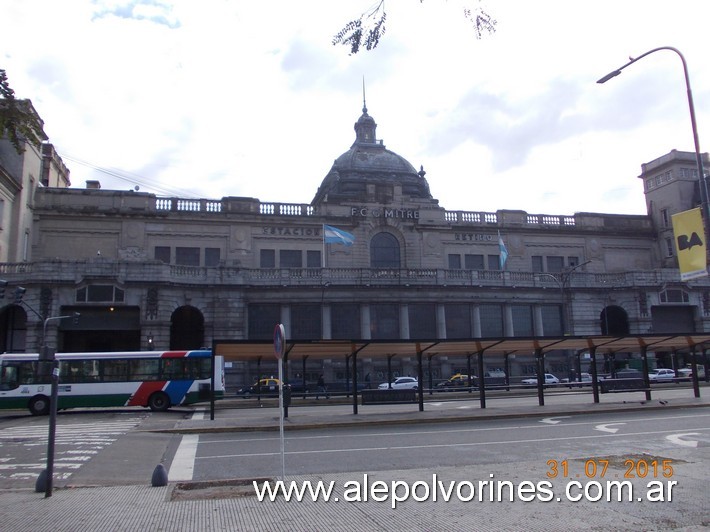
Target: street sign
x=279, y=341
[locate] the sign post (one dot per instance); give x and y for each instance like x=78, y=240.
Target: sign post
x=279, y=351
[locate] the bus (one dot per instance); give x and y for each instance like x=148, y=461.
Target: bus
x=153, y=379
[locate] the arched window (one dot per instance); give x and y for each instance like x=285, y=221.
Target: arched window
x=384, y=251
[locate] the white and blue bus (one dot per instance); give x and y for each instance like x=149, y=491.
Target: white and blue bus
x=153, y=379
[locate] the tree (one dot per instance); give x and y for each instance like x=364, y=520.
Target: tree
x=370, y=26
x=18, y=119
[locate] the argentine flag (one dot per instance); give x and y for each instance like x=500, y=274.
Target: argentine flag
x=503, y=251
x=333, y=235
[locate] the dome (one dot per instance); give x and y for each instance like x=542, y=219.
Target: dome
x=369, y=162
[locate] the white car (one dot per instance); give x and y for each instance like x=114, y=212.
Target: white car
x=687, y=373
x=401, y=383
x=661, y=375
x=549, y=379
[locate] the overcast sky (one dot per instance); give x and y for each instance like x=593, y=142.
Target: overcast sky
x=250, y=98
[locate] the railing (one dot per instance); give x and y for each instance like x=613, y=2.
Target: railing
x=154, y=271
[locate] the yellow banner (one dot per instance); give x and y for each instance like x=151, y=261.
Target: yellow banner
x=690, y=244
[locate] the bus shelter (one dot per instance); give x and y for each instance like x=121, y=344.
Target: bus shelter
x=480, y=348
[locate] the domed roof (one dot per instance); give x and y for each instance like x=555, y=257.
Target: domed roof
x=369, y=162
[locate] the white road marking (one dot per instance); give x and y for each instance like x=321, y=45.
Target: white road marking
x=678, y=439
x=607, y=427
x=183, y=465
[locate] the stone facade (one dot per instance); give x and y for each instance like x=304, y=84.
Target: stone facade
x=170, y=273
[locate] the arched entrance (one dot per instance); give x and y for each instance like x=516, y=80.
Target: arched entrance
x=187, y=329
x=614, y=321
x=384, y=251
x=13, y=329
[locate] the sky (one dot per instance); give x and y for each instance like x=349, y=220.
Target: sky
x=234, y=98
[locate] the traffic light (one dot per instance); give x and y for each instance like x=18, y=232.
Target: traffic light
x=3, y=286
x=19, y=293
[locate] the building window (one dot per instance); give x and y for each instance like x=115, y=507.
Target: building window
x=345, y=321
x=454, y=262
x=551, y=320
x=491, y=320
x=473, y=262
x=572, y=262
x=649, y=184
x=290, y=258
x=555, y=264
x=458, y=321
x=187, y=256
x=262, y=319
x=669, y=247
x=306, y=322
x=162, y=253
x=212, y=256
x=422, y=321
x=522, y=320
x=664, y=218
x=494, y=262
x=384, y=322
x=384, y=251
x=674, y=295
x=313, y=259
x=267, y=258
x=537, y=264
x=99, y=293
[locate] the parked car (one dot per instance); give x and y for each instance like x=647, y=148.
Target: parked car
x=549, y=379
x=661, y=375
x=401, y=383
x=585, y=379
x=456, y=382
x=687, y=372
x=268, y=387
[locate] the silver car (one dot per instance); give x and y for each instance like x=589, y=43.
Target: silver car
x=401, y=383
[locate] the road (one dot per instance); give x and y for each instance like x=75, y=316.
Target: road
x=333, y=450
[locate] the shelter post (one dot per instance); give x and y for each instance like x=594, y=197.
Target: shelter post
x=354, y=358
x=644, y=362
x=694, y=370
x=540, y=362
x=420, y=376
x=481, y=379
x=595, y=375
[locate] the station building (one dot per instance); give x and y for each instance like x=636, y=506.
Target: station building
x=151, y=272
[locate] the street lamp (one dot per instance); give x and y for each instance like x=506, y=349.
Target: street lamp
x=45, y=479
x=562, y=281
x=699, y=160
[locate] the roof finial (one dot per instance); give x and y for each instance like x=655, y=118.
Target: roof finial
x=364, y=105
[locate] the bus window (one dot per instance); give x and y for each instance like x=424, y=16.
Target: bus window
x=144, y=369
x=79, y=370
x=27, y=372
x=115, y=370
x=173, y=368
x=8, y=378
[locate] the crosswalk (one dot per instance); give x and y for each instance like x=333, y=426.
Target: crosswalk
x=75, y=444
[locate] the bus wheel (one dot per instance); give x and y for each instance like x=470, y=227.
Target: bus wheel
x=159, y=402
x=39, y=405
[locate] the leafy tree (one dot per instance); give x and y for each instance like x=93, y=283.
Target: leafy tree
x=18, y=119
x=367, y=30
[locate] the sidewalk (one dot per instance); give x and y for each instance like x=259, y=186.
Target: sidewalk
x=147, y=508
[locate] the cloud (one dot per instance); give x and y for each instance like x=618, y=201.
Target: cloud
x=154, y=11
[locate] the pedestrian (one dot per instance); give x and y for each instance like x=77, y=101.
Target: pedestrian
x=322, y=390
x=367, y=380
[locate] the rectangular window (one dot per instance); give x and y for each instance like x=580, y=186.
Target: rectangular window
x=115, y=370
x=458, y=321
x=491, y=320
x=422, y=321
x=572, y=262
x=267, y=258
x=172, y=369
x=345, y=322
x=313, y=259
x=212, y=257
x=537, y=264
x=454, y=262
x=494, y=262
x=306, y=322
x=555, y=264
x=262, y=320
x=473, y=262
x=384, y=322
x=669, y=246
x=290, y=258
x=187, y=256
x=522, y=320
x=144, y=369
x=162, y=253
x=649, y=184
x=551, y=320
x=79, y=370
x=665, y=220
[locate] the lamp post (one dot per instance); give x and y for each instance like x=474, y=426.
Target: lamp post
x=693, y=123
x=45, y=478
x=562, y=281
